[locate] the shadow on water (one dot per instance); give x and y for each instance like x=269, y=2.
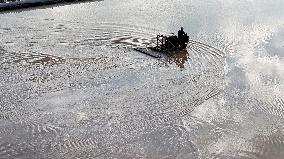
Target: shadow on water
x=19, y=6
x=179, y=57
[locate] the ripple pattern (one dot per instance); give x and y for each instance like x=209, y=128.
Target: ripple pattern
x=118, y=118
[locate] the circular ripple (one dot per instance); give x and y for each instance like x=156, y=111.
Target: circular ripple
x=130, y=128
x=28, y=58
x=124, y=35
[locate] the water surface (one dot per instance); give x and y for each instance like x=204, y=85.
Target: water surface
x=73, y=87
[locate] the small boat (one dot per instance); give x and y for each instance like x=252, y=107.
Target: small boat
x=166, y=45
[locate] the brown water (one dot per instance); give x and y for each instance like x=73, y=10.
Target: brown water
x=73, y=87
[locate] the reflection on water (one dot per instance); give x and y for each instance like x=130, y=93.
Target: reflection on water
x=179, y=57
x=275, y=45
x=72, y=87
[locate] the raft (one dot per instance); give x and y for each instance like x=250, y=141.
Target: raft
x=150, y=51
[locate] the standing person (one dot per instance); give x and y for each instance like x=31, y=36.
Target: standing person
x=181, y=34
x=181, y=37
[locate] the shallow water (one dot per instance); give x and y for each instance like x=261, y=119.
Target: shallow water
x=73, y=87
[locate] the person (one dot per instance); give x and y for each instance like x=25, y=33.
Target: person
x=181, y=34
x=182, y=38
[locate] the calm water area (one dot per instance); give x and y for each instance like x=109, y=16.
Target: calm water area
x=72, y=86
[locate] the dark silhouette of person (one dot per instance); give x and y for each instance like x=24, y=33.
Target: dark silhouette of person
x=181, y=34
x=182, y=38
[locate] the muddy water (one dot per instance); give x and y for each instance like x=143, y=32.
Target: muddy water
x=73, y=87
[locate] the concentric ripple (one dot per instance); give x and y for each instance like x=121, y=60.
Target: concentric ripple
x=120, y=35
x=93, y=96
x=28, y=58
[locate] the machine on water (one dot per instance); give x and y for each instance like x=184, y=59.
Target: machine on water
x=167, y=44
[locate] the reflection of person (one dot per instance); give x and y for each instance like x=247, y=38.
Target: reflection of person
x=179, y=58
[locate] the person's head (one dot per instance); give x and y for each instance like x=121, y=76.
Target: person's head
x=181, y=28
